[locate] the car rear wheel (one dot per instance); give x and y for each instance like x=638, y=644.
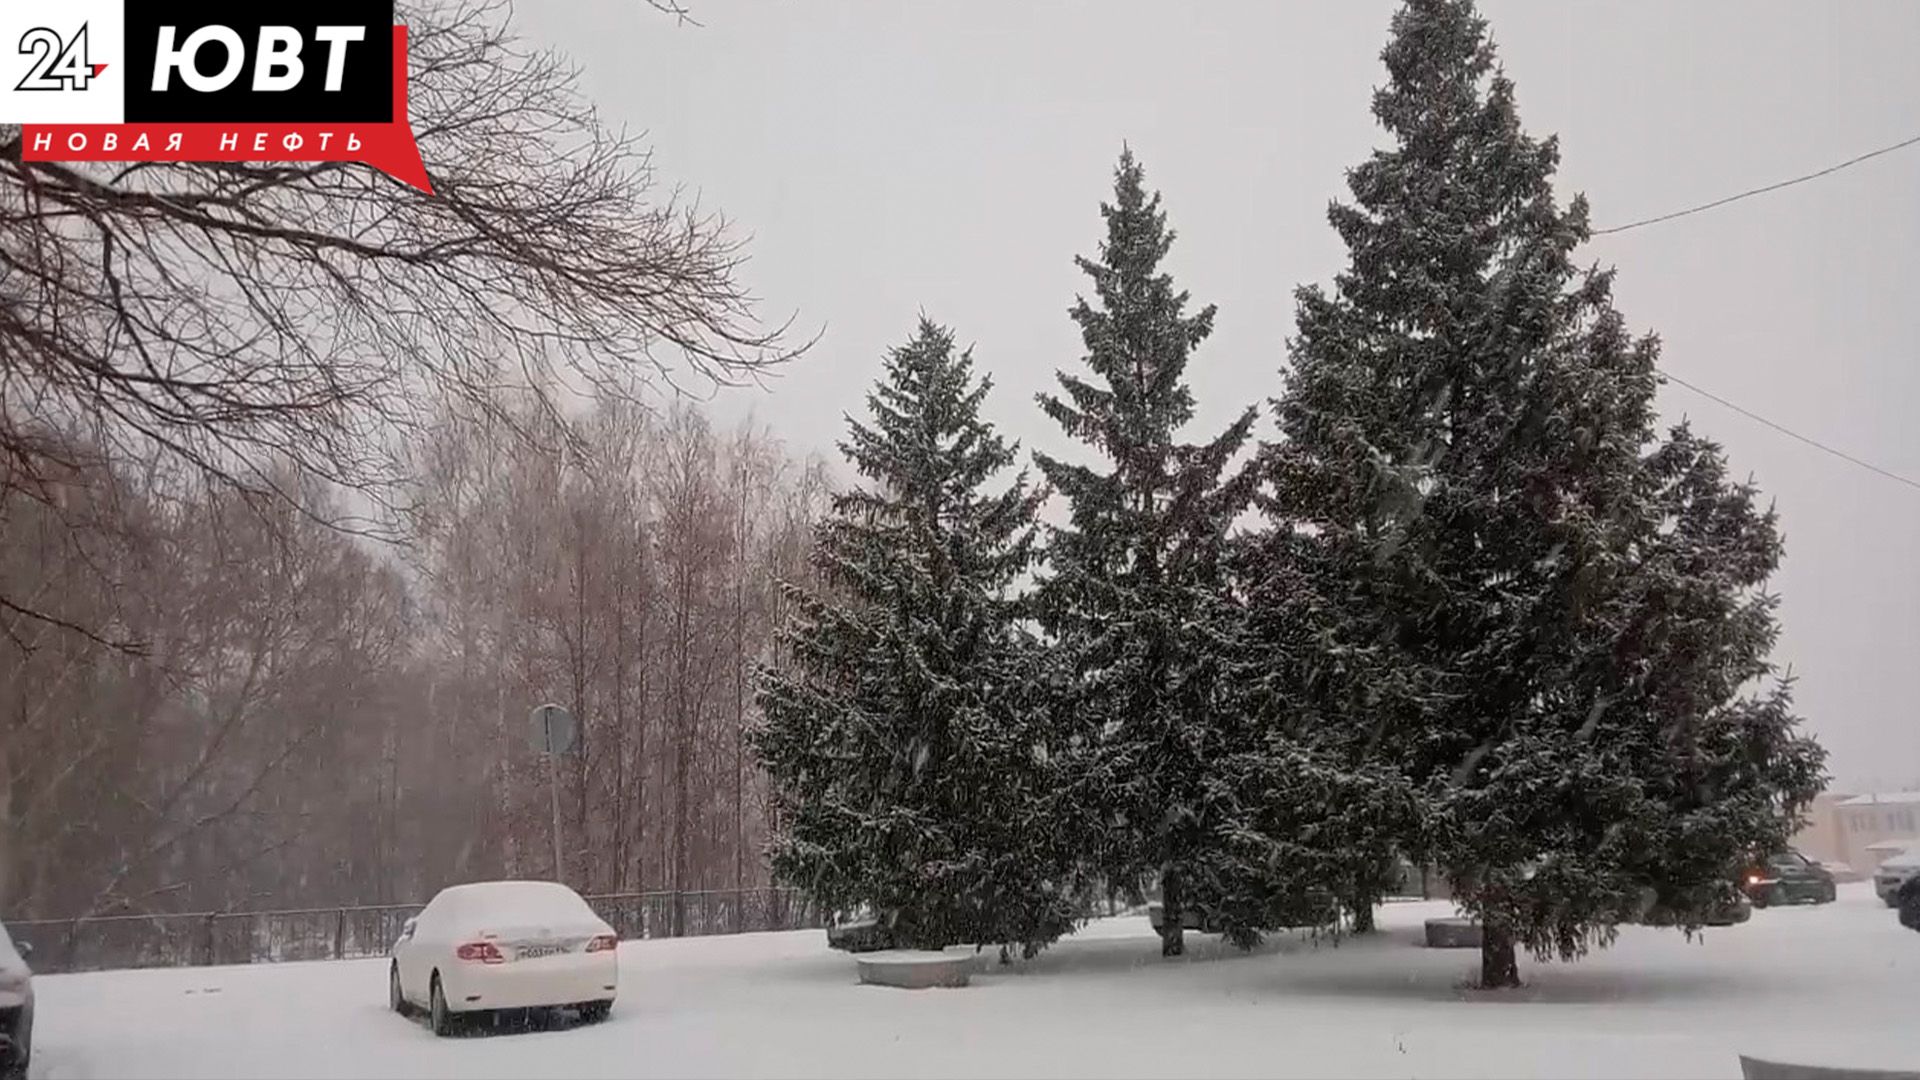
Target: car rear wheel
x=439, y=1017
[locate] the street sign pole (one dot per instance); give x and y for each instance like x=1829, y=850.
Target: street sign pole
x=554, y=733
x=553, y=790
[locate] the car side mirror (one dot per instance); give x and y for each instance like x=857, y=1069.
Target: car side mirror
x=406, y=929
x=24, y=948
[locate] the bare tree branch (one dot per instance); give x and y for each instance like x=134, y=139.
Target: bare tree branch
x=246, y=322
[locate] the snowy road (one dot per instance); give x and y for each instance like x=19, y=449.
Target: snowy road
x=1840, y=982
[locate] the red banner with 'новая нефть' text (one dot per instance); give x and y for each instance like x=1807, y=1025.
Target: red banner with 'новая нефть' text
x=211, y=82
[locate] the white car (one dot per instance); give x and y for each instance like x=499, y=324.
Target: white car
x=504, y=945
x=1895, y=872
x=16, y=1009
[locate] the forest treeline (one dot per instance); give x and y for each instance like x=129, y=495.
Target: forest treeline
x=313, y=718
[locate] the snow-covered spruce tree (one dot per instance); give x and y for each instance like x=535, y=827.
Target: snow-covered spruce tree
x=905, y=738
x=1695, y=628
x=1468, y=444
x=1332, y=808
x=1138, y=598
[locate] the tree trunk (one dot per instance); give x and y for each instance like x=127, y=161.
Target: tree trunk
x=503, y=792
x=1173, y=915
x=682, y=736
x=618, y=838
x=6, y=827
x=577, y=662
x=642, y=702
x=740, y=704
x=1363, y=916
x=1498, y=967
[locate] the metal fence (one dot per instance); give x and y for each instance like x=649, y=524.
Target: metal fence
x=258, y=937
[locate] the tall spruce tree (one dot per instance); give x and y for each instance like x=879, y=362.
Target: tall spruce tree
x=1681, y=649
x=1518, y=581
x=906, y=738
x=1331, y=809
x=1138, y=598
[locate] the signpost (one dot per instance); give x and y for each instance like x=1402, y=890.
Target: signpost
x=554, y=733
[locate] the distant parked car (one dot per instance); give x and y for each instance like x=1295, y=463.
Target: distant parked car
x=1190, y=919
x=1896, y=873
x=861, y=930
x=1789, y=877
x=1909, y=900
x=1732, y=911
x=1317, y=908
x=498, y=945
x=16, y=1008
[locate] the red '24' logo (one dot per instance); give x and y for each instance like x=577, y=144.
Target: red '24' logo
x=57, y=64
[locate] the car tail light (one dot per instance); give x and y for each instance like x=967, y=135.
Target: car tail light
x=484, y=951
x=603, y=942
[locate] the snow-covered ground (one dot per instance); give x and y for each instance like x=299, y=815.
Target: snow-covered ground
x=1838, y=983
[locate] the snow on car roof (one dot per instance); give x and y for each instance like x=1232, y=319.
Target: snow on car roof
x=515, y=898
x=528, y=887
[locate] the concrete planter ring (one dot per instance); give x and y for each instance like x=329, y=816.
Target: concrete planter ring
x=915, y=970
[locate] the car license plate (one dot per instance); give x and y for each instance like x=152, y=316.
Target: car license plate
x=535, y=952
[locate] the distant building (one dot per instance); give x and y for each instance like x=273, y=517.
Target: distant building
x=1821, y=838
x=1860, y=830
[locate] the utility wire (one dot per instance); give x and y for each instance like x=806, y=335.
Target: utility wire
x=1710, y=395
x=1815, y=443
x=1828, y=171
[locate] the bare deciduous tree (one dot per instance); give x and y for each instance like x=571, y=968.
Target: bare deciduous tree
x=252, y=321
x=212, y=374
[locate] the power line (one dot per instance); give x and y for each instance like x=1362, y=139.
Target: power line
x=1828, y=171
x=1815, y=443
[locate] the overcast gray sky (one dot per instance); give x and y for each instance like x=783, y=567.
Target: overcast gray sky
x=948, y=156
